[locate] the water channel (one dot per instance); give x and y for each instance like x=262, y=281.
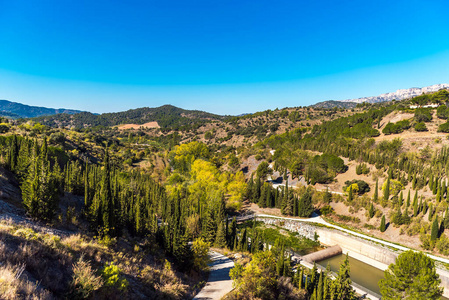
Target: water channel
x=361, y=273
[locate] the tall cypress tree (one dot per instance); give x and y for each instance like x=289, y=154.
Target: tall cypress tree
x=376, y=191
x=106, y=201
x=382, y=224
x=435, y=229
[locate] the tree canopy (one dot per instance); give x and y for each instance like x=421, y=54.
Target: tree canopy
x=413, y=276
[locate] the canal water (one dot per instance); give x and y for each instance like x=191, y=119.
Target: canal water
x=361, y=273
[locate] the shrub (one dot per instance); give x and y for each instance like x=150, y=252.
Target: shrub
x=421, y=126
x=423, y=115
x=363, y=187
x=362, y=169
x=85, y=282
x=327, y=210
x=112, y=278
x=444, y=127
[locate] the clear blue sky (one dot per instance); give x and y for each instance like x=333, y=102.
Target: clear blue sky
x=226, y=57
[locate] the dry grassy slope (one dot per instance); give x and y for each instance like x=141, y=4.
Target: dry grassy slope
x=411, y=139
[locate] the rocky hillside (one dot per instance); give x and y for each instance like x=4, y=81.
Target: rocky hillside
x=401, y=94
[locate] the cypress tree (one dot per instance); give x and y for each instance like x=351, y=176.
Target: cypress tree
x=220, y=239
x=350, y=194
x=326, y=283
x=106, y=200
x=415, y=204
x=376, y=191
x=301, y=279
x=371, y=211
x=435, y=229
x=387, y=191
x=342, y=288
x=382, y=224
x=429, y=217
x=401, y=199
x=408, y=199
x=435, y=186
x=319, y=293
x=233, y=234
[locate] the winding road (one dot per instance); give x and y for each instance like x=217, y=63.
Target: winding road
x=219, y=282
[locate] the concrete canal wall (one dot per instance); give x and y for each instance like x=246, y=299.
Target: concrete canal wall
x=376, y=255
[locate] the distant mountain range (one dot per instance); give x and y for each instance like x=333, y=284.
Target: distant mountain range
x=398, y=95
x=17, y=110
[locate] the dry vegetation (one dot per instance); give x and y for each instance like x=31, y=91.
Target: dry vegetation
x=46, y=266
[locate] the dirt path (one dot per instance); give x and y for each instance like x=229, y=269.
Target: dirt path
x=219, y=282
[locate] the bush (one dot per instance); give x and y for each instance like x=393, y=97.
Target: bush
x=4, y=128
x=112, y=278
x=327, y=210
x=444, y=127
x=363, y=187
x=442, y=112
x=362, y=169
x=423, y=115
x=85, y=282
x=421, y=126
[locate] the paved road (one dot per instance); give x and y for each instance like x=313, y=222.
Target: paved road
x=219, y=282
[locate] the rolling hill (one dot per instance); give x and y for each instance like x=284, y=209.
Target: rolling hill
x=17, y=110
x=167, y=116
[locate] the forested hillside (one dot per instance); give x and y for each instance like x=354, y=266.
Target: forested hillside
x=167, y=116
x=132, y=213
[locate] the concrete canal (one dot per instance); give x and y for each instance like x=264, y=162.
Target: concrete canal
x=361, y=273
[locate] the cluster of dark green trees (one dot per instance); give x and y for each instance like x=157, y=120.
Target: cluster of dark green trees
x=320, y=286
x=115, y=200
x=286, y=199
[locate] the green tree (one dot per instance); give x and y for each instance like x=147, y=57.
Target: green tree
x=257, y=280
x=376, y=191
x=386, y=191
x=435, y=230
x=412, y=276
x=305, y=205
x=382, y=224
x=341, y=286
x=263, y=170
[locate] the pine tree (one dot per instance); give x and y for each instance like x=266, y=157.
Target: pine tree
x=382, y=224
